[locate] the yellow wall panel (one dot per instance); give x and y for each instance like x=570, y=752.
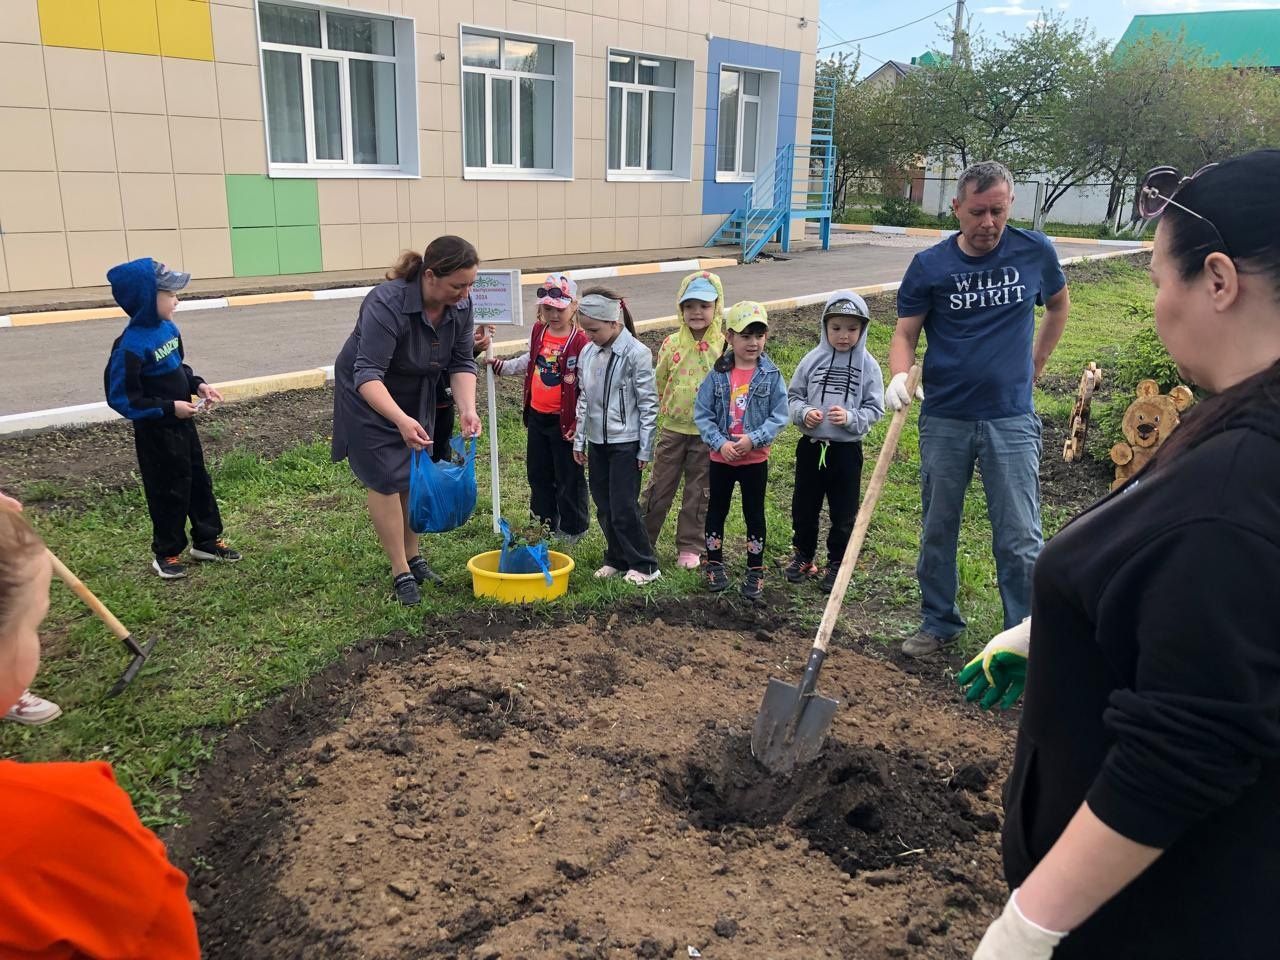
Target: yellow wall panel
x=186, y=29
x=70, y=23
x=129, y=26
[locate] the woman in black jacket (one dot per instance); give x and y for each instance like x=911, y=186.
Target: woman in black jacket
x=1143, y=810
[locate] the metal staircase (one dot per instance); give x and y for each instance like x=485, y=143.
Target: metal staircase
x=797, y=185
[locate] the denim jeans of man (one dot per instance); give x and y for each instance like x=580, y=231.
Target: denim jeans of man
x=1007, y=452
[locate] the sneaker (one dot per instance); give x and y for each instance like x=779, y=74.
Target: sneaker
x=753, y=585
x=605, y=572
x=717, y=576
x=169, y=568
x=422, y=572
x=800, y=569
x=922, y=643
x=406, y=589
x=32, y=711
x=217, y=552
x=829, y=577
x=688, y=560
x=641, y=579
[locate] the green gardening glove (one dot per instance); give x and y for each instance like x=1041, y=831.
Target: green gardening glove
x=997, y=676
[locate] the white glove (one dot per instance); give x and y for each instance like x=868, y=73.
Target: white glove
x=1013, y=937
x=896, y=396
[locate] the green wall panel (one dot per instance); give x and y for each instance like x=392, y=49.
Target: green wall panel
x=254, y=251
x=250, y=201
x=299, y=249
x=297, y=203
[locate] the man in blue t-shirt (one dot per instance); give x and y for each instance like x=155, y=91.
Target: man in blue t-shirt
x=974, y=295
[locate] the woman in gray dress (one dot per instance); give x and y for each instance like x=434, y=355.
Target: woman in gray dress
x=412, y=330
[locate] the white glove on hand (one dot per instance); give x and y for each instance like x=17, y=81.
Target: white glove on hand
x=895, y=394
x=1013, y=937
x=997, y=676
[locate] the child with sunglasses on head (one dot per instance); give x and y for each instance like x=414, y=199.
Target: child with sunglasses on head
x=80, y=876
x=684, y=360
x=740, y=409
x=617, y=420
x=557, y=485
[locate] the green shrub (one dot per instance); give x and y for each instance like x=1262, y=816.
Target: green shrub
x=898, y=212
x=1144, y=357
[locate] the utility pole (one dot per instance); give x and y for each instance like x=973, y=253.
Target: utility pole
x=959, y=40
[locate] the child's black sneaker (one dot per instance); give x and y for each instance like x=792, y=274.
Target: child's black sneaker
x=799, y=569
x=753, y=585
x=216, y=552
x=169, y=568
x=829, y=578
x=407, y=591
x=423, y=573
x=717, y=576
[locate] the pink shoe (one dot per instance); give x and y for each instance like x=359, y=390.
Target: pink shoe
x=688, y=561
x=32, y=711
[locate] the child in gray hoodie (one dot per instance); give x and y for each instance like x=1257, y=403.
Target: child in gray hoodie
x=836, y=396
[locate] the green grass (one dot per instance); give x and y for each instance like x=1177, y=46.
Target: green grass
x=868, y=214
x=314, y=581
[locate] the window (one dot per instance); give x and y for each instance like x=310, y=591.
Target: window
x=339, y=92
x=516, y=104
x=738, y=139
x=650, y=118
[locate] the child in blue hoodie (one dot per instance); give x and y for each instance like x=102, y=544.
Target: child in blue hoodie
x=147, y=382
x=836, y=395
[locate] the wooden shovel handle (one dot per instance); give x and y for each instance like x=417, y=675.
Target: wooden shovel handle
x=85, y=594
x=876, y=484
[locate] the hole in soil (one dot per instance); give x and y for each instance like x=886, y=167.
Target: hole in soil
x=864, y=808
x=480, y=713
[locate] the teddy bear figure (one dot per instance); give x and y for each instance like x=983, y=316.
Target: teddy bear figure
x=1147, y=424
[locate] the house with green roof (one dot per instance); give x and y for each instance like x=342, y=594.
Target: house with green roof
x=1231, y=38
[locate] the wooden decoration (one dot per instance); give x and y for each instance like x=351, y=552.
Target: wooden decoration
x=1147, y=424
x=1073, y=448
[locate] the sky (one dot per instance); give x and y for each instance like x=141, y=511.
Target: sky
x=849, y=19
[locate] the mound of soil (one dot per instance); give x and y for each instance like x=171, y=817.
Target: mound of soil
x=525, y=790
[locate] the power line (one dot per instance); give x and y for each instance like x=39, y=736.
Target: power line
x=882, y=33
x=861, y=53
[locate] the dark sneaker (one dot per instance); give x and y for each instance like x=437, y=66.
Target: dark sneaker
x=800, y=569
x=407, y=591
x=753, y=585
x=169, y=568
x=829, y=578
x=717, y=577
x=922, y=643
x=216, y=552
x=423, y=573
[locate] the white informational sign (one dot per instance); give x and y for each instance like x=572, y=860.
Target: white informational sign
x=495, y=298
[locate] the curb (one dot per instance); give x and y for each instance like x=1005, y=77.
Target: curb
x=935, y=232
x=42, y=317
x=233, y=390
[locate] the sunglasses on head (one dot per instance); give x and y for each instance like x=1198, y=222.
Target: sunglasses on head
x=554, y=293
x=1158, y=190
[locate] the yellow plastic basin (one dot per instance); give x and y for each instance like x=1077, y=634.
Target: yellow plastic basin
x=486, y=581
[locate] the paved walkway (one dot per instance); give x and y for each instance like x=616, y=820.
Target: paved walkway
x=61, y=364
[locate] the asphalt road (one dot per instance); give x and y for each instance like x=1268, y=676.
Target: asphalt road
x=61, y=364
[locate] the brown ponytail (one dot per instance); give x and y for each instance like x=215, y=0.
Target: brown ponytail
x=19, y=545
x=442, y=256
x=612, y=295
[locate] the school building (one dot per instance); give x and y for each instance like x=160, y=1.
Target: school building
x=235, y=138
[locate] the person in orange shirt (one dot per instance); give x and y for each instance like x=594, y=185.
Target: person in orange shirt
x=80, y=876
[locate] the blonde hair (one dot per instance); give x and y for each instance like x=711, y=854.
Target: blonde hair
x=19, y=545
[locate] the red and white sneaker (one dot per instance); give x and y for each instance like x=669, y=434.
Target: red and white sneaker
x=688, y=560
x=32, y=711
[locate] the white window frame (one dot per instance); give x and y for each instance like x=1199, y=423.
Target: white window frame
x=406, y=87
x=682, y=120
x=766, y=122
x=562, y=97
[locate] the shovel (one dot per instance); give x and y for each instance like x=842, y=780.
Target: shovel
x=140, y=653
x=794, y=718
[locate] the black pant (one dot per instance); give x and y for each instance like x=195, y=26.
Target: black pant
x=615, y=487
x=754, y=479
x=839, y=479
x=442, y=432
x=177, y=486
x=557, y=486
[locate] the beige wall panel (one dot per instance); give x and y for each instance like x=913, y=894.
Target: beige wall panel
x=92, y=253
x=37, y=261
x=91, y=201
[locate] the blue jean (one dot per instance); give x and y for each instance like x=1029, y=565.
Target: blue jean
x=1007, y=452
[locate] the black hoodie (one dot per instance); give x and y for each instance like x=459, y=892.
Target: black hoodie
x=1153, y=691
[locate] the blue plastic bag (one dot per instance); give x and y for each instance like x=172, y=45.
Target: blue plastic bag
x=442, y=495
x=523, y=558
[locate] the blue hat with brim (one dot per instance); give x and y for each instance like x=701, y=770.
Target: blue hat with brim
x=171, y=280
x=701, y=289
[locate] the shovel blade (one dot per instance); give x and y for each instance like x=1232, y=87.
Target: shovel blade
x=790, y=728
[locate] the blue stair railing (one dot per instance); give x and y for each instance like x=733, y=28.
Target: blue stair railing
x=798, y=184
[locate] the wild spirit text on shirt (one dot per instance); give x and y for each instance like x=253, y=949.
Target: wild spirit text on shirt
x=997, y=287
